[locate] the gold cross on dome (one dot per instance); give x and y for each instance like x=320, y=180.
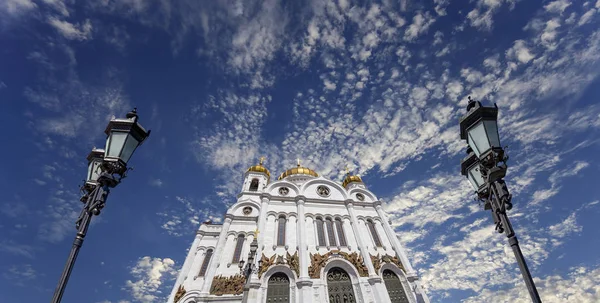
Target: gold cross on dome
x=261, y=159
x=347, y=169
x=256, y=232
x=298, y=160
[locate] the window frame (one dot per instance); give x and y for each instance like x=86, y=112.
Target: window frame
x=330, y=232
x=239, y=246
x=374, y=235
x=204, y=267
x=339, y=225
x=281, y=229
x=320, y=232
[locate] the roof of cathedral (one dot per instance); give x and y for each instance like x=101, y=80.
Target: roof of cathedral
x=349, y=179
x=299, y=170
x=260, y=168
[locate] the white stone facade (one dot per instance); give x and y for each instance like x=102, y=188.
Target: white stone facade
x=302, y=206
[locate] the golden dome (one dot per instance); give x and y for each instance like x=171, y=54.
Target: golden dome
x=349, y=179
x=260, y=168
x=299, y=170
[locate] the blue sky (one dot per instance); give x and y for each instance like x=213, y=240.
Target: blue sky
x=376, y=86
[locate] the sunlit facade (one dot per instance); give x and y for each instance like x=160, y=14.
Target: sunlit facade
x=319, y=241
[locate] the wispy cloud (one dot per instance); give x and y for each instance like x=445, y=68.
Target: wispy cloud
x=149, y=276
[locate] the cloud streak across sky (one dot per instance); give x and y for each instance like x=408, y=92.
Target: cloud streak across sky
x=375, y=86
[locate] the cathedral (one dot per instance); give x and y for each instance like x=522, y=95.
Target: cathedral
x=300, y=238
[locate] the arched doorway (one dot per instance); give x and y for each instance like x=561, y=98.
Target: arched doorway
x=339, y=286
x=278, y=289
x=394, y=287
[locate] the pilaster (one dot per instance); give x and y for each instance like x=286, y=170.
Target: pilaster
x=393, y=239
x=363, y=250
x=217, y=256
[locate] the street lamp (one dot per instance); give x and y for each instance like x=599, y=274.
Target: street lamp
x=249, y=268
x=485, y=167
x=105, y=171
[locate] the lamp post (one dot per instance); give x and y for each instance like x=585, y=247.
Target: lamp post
x=106, y=168
x=249, y=268
x=485, y=167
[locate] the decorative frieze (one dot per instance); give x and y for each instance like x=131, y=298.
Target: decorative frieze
x=293, y=261
x=265, y=263
x=318, y=262
x=179, y=294
x=233, y=285
x=378, y=260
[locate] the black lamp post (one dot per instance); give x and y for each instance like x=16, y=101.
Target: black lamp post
x=249, y=268
x=485, y=167
x=105, y=171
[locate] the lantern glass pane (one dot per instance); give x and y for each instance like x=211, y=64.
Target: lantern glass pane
x=491, y=128
x=115, y=144
x=94, y=170
x=478, y=140
x=130, y=145
x=475, y=177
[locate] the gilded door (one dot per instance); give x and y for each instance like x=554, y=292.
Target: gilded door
x=394, y=287
x=339, y=286
x=278, y=290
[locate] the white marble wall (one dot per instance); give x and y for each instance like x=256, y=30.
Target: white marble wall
x=334, y=206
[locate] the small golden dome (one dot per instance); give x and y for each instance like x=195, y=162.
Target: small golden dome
x=299, y=170
x=260, y=168
x=349, y=179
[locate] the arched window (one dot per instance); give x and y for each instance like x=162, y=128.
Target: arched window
x=238, y=249
x=278, y=289
x=320, y=232
x=339, y=286
x=281, y=231
x=254, y=185
x=330, y=232
x=373, y=231
x=394, y=287
x=340, y=232
x=205, y=263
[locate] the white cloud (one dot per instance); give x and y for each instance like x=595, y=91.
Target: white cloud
x=149, y=276
x=587, y=17
x=520, y=51
x=17, y=7
x=580, y=285
x=72, y=31
x=421, y=23
x=21, y=275
x=558, y=6
x=183, y=219
x=156, y=182
x=17, y=249
x=329, y=85
x=566, y=227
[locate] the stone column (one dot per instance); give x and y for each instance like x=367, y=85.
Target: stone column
x=187, y=267
x=217, y=255
x=304, y=284
x=389, y=232
x=262, y=221
x=411, y=275
x=361, y=246
x=195, y=269
x=379, y=291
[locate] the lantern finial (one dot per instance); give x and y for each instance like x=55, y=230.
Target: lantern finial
x=132, y=114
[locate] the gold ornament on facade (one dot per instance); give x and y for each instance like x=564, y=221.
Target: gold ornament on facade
x=293, y=261
x=387, y=259
x=179, y=294
x=376, y=260
x=233, y=285
x=349, y=178
x=299, y=170
x=265, y=263
x=318, y=262
x=260, y=168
